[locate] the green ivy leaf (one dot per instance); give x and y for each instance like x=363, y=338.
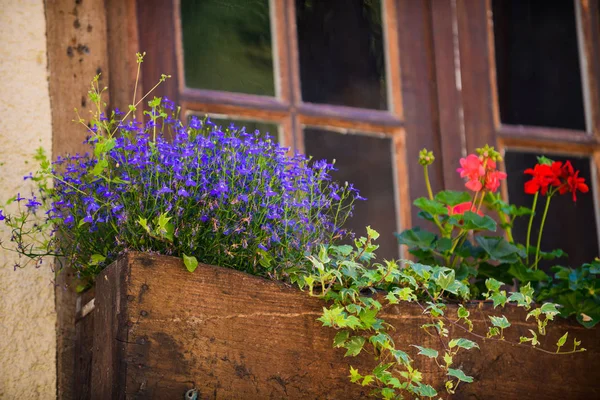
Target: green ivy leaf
x=433, y=207
x=343, y=250
x=549, y=309
x=380, y=339
x=367, y=380
x=463, y=312
x=452, y=198
x=524, y=297
x=499, y=299
x=427, y=352
x=500, y=322
x=423, y=271
x=400, y=356
x=493, y=285
x=372, y=233
x=444, y=280
x=463, y=344
x=354, y=375
x=190, y=262
x=354, y=346
x=460, y=375
x=561, y=342
x=425, y=390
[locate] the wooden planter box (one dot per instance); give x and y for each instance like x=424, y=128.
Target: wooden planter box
x=159, y=331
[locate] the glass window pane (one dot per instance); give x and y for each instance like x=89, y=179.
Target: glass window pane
x=263, y=127
x=569, y=226
x=537, y=63
x=367, y=162
x=342, y=60
x=227, y=45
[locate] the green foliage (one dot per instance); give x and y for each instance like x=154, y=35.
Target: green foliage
x=577, y=291
x=463, y=242
x=357, y=289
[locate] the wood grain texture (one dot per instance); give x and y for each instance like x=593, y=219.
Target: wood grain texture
x=449, y=91
x=162, y=331
x=77, y=51
x=419, y=95
x=123, y=44
x=474, y=46
x=84, y=341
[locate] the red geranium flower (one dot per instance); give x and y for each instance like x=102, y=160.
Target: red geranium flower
x=472, y=169
x=462, y=208
x=543, y=177
x=492, y=180
x=575, y=183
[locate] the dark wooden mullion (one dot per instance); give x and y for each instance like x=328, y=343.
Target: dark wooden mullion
x=539, y=144
x=566, y=136
x=475, y=42
x=325, y=112
x=157, y=31
x=391, y=46
x=589, y=30
x=294, y=73
x=281, y=50
x=449, y=90
x=419, y=93
x=242, y=100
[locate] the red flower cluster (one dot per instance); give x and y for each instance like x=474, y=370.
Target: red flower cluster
x=558, y=175
x=461, y=208
x=480, y=172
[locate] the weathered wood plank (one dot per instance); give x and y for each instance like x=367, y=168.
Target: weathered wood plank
x=109, y=367
x=76, y=37
x=417, y=66
x=162, y=331
x=84, y=341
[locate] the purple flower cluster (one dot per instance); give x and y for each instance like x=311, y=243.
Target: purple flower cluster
x=230, y=197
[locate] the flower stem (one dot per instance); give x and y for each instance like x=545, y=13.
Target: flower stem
x=537, y=250
x=427, y=183
x=535, y=198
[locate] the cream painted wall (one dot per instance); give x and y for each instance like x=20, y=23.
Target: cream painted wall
x=27, y=318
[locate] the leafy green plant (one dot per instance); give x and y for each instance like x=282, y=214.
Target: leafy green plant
x=358, y=290
x=208, y=194
x=577, y=290
x=477, y=246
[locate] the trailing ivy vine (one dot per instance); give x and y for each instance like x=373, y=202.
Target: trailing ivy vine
x=357, y=290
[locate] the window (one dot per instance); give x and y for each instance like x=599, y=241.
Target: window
x=323, y=75
x=447, y=75
x=546, y=105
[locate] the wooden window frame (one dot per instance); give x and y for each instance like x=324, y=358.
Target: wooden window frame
x=286, y=108
x=477, y=114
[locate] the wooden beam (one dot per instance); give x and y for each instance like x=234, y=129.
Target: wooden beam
x=77, y=51
x=419, y=94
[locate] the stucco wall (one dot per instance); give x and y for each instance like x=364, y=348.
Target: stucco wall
x=27, y=318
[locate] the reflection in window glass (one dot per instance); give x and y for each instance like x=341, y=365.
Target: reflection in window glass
x=342, y=60
x=569, y=226
x=250, y=126
x=227, y=45
x=537, y=63
x=367, y=162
